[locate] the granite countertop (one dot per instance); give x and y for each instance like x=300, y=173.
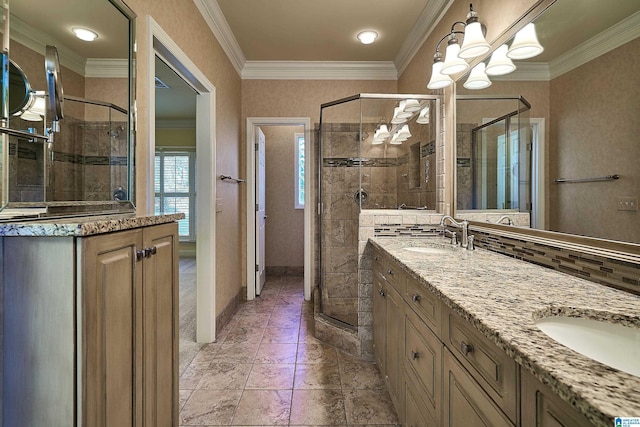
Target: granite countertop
x=83, y=225
x=502, y=297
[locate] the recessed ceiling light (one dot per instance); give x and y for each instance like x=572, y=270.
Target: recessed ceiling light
x=84, y=34
x=367, y=37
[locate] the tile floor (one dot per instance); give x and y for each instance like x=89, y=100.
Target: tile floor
x=267, y=369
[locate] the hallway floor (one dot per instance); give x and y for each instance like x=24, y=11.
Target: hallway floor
x=267, y=369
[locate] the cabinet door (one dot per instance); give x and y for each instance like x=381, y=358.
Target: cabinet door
x=395, y=347
x=379, y=322
x=465, y=403
x=161, y=325
x=542, y=408
x=423, y=364
x=112, y=336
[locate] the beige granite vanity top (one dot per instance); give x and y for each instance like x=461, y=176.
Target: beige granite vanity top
x=502, y=297
x=83, y=225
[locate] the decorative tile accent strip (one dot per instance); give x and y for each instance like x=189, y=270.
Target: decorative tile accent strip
x=610, y=272
x=359, y=161
x=406, y=230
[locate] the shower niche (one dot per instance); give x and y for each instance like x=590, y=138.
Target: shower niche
x=376, y=151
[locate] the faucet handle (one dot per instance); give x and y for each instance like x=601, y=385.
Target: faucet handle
x=470, y=244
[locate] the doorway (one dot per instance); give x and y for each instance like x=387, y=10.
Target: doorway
x=160, y=45
x=252, y=162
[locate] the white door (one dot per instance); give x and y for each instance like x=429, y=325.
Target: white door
x=261, y=216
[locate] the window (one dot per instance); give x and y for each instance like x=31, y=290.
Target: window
x=299, y=170
x=175, y=188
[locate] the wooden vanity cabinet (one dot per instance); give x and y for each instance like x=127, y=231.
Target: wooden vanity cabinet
x=91, y=329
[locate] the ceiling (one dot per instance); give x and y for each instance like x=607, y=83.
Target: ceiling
x=312, y=30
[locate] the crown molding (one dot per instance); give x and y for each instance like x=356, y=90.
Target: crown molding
x=613, y=37
x=424, y=26
x=107, y=68
x=526, y=71
x=212, y=14
x=36, y=40
x=319, y=70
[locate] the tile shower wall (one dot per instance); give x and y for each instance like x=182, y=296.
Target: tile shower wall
x=89, y=161
x=26, y=166
x=464, y=166
x=339, y=239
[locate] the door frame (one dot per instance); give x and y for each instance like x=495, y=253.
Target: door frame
x=160, y=44
x=250, y=173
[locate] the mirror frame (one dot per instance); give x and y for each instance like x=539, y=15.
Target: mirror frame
x=626, y=251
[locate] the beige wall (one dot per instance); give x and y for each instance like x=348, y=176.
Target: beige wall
x=285, y=224
x=182, y=137
x=182, y=21
x=595, y=124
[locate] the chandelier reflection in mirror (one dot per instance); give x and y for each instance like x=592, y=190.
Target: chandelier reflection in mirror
x=525, y=45
x=397, y=130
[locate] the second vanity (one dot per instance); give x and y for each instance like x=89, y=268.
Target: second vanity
x=456, y=339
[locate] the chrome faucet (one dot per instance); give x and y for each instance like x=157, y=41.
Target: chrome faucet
x=507, y=217
x=463, y=226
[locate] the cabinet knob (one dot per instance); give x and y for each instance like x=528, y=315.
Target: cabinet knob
x=376, y=258
x=381, y=292
x=150, y=251
x=415, y=297
x=465, y=348
x=139, y=254
x=390, y=272
x=415, y=355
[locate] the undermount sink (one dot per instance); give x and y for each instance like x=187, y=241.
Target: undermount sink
x=428, y=250
x=613, y=344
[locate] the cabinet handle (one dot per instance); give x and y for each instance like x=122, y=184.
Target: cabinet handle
x=390, y=272
x=415, y=297
x=466, y=349
x=139, y=255
x=150, y=251
x=415, y=355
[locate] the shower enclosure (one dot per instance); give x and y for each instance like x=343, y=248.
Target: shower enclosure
x=493, y=153
x=376, y=151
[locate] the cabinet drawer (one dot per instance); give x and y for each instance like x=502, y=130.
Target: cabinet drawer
x=465, y=402
x=494, y=370
x=394, y=276
x=423, y=363
x=424, y=303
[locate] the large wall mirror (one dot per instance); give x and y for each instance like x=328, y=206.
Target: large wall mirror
x=580, y=122
x=91, y=156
